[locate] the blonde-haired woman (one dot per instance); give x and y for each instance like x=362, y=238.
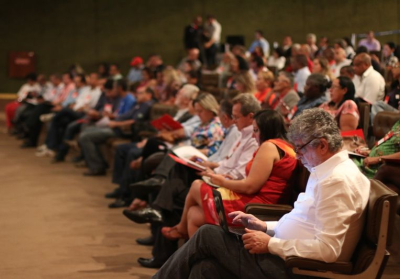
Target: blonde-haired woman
x=170, y=85
x=264, y=94
x=244, y=83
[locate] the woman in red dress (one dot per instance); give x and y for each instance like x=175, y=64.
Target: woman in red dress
x=266, y=182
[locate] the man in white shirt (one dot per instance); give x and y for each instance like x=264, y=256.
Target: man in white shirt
x=369, y=84
x=325, y=224
x=302, y=72
x=340, y=61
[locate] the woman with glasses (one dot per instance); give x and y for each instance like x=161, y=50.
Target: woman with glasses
x=266, y=182
x=342, y=106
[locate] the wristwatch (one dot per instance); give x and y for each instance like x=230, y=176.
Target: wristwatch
x=380, y=159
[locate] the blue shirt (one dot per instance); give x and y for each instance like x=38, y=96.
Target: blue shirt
x=138, y=112
x=126, y=103
x=263, y=43
x=71, y=98
x=135, y=75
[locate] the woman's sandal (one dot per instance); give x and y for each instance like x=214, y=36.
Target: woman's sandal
x=172, y=233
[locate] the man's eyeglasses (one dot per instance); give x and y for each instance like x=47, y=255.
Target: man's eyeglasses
x=298, y=149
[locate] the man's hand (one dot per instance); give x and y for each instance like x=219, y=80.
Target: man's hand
x=57, y=108
x=113, y=124
x=256, y=242
x=247, y=220
x=141, y=144
x=371, y=161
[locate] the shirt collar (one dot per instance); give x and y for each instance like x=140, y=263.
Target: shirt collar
x=367, y=72
x=247, y=131
x=324, y=169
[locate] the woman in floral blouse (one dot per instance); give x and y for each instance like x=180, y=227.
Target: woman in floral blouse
x=342, y=106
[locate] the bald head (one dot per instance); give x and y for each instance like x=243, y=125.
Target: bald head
x=361, y=63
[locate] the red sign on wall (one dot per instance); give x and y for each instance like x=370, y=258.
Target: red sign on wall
x=21, y=63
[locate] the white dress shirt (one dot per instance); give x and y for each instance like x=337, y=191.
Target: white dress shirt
x=370, y=86
x=327, y=220
x=26, y=88
x=337, y=66
x=217, y=31
x=232, y=135
x=300, y=78
x=240, y=154
x=88, y=97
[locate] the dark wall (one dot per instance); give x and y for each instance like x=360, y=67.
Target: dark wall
x=91, y=31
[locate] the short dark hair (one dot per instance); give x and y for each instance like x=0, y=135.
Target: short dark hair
x=362, y=49
x=226, y=107
x=279, y=51
x=243, y=66
x=69, y=75
x=320, y=81
x=149, y=72
x=346, y=82
x=193, y=74
x=150, y=91
x=82, y=77
x=349, y=69
x=115, y=64
x=259, y=61
x=270, y=124
x=109, y=84
x=260, y=32
x=391, y=45
x=301, y=59
x=31, y=76
x=122, y=83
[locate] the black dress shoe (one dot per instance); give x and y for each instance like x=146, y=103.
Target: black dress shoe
x=145, y=215
x=94, y=173
x=56, y=160
x=151, y=182
x=146, y=241
x=118, y=203
x=150, y=263
x=114, y=194
x=27, y=144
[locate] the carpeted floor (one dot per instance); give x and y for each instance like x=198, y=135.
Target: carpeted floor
x=54, y=223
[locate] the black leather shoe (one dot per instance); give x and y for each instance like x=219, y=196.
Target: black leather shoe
x=119, y=203
x=94, y=173
x=114, y=194
x=150, y=263
x=151, y=182
x=146, y=241
x=145, y=215
x=27, y=144
x=56, y=160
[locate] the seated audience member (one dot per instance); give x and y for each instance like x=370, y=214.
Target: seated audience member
x=170, y=200
x=340, y=61
x=106, y=106
x=266, y=179
x=257, y=65
x=374, y=63
x=388, y=56
x=370, y=42
x=29, y=90
x=244, y=83
x=314, y=94
x=192, y=57
x=320, y=227
x=260, y=41
x=114, y=71
x=155, y=64
x=125, y=154
x=311, y=40
x=286, y=97
x=388, y=148
x=286, y=46
x=322, y=45
x=237, y=64
x=347, y=71
x=391, y=102
x=348, y=47
x=241, y=51
x=192, y=77
x=305, y=50
x=369, y=84
x=321, y=66
x=33, y=123
x=170, y=86
x=299, y=65
x=265, y=94
x=147, y=79
x=91, y=137
x=103, y=72
x=135, y=73
x=224, y=68
x=329, y=54
x=88, y=97
x=342, y=106
x=277, y=59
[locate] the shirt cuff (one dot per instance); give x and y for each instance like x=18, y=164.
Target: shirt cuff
x=271, y=225
x=274, y=246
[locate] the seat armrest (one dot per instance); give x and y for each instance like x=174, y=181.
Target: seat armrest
x=314, y=265
x=267, y=212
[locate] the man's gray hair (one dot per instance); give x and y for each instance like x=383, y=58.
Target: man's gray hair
x=190, y=91
x=288, y=76
x=249, y=103
x=316, y=123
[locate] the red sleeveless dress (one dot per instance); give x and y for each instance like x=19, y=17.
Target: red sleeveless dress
x=274, y=191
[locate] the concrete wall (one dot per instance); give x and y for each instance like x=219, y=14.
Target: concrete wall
x=91, y=31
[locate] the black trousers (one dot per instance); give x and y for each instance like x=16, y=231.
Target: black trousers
x=212, y=253
x=33, y=123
